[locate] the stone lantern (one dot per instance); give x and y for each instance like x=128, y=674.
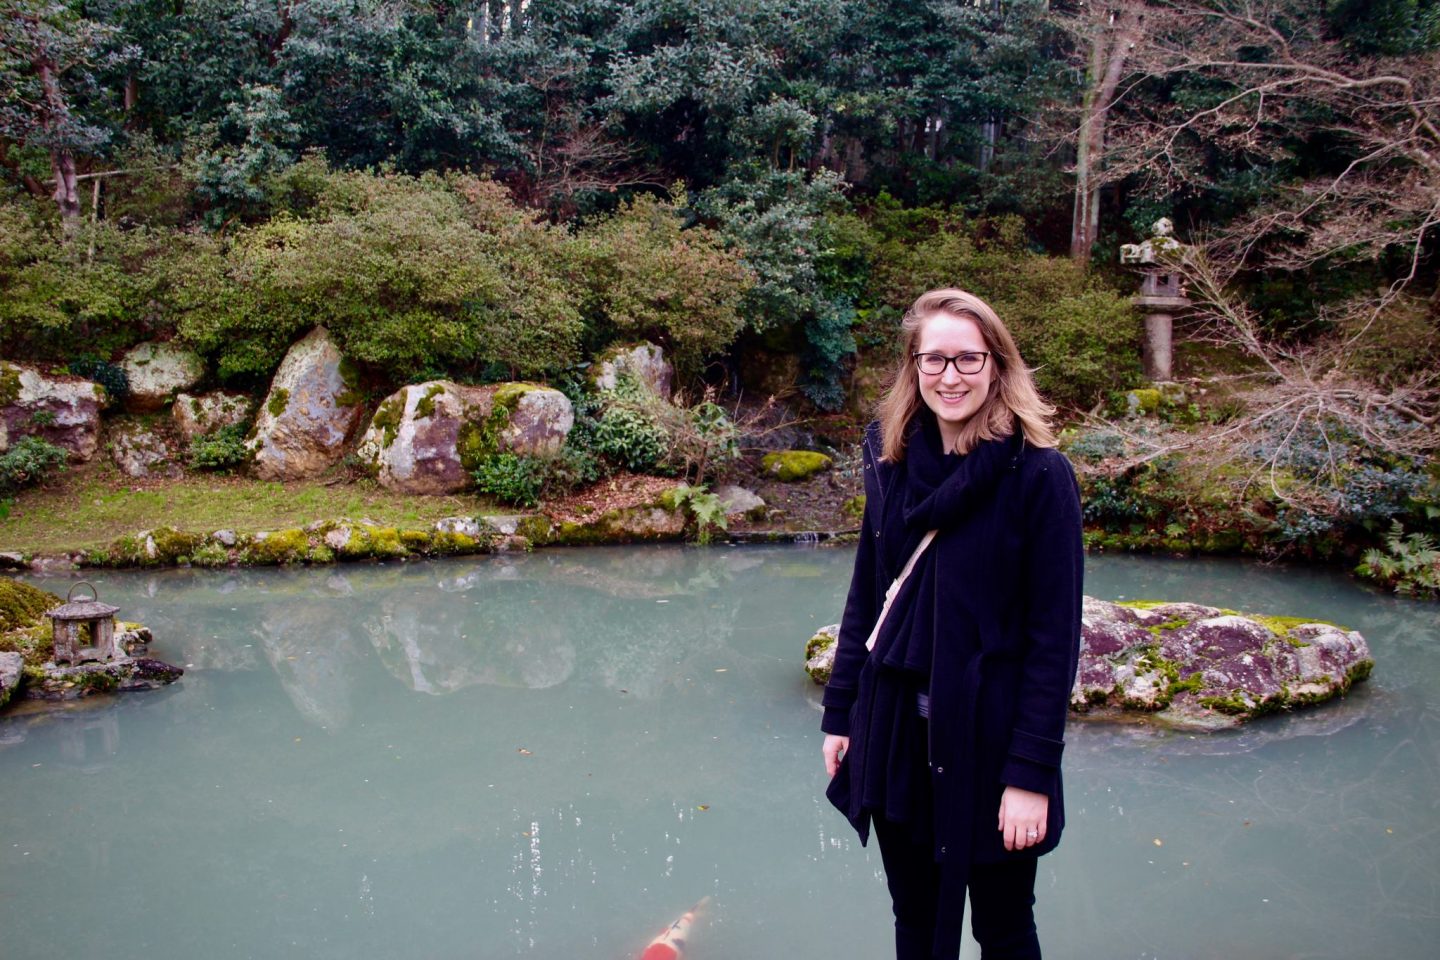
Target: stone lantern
x=1162, y=295
x=67, y=621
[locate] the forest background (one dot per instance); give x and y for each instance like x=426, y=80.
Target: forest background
x=494, y=190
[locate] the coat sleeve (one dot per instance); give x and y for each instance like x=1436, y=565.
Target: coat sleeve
x=861, y=609
x=1053, y=570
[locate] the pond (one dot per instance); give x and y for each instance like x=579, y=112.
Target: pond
x=554, y=755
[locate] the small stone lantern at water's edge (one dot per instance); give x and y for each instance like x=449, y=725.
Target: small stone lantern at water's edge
x=69, y=620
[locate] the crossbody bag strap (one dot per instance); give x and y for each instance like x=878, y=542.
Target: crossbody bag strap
x=894, y=590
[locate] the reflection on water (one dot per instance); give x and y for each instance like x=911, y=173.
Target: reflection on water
x=554, y=755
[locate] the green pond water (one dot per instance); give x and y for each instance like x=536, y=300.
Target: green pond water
x=554, y=755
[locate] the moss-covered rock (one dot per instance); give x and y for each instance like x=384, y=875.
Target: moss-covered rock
x=22, y=605
x=280, y=547
x=791, y=466
x=1190, y=665
x=820, y=653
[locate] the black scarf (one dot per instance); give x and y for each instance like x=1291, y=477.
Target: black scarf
x=939, y=489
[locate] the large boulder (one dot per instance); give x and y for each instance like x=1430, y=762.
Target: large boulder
x=644, y=361
x=311, y=409
x=157, y=372
x=60, y=409
x=208, y=412
x=139, y=450
x=427, y=438
x=1190, y=665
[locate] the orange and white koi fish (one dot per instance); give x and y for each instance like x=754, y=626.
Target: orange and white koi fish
x=670, y=945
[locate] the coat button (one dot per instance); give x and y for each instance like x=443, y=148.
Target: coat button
x=939, y=769
x=942, y=849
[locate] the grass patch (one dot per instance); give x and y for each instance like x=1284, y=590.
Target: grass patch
x=94, y=504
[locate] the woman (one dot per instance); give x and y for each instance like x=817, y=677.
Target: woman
x=947, y=735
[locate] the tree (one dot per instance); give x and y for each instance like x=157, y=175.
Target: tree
x=50, y=57
x=1106, y=34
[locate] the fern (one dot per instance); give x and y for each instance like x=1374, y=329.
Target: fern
x=1409, y=563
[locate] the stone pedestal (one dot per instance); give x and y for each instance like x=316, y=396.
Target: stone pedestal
x=1158, y=349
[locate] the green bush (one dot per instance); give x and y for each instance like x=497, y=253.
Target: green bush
x=28, y=461
x=647, y=278
x=511, y=478
x=222, y=450
x=97, y=289
x=407, y=273
x=631, y=439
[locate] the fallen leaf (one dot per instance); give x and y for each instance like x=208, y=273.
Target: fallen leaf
x=703, y=807
x=1158, y=842
x=523, y=752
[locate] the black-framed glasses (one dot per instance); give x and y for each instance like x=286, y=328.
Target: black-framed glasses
x=934, y=364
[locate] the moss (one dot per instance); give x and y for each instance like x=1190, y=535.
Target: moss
x=479, y=439
x=1191, y=684
x=1234, y=704
x=854, y=508
x=210, y=555
x=387, y=420
x=790, y=466
x=284, y=546
x=1281, y=626
x=386, y=542
x=170, y=544
x=1143, y=402
x=98, y=681
x=535, y=528
x=817, y=643
x=416, y=541
x=36, y=642
x=352, y=395
x=453, y=544
x=320, y=554
x=507, y=396
x=9, y=384
x=22, y=605
x=279, y=400
x=1360, y=671
x=425, y=406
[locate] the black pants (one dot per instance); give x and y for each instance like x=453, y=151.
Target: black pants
x=1002, y=896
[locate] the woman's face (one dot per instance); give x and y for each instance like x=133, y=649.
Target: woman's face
x=953, y=396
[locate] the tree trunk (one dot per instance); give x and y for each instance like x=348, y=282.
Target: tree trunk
x=1107, y=66
x=62, y=161
x=66, y=195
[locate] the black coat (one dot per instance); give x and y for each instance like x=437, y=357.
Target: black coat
x=1005, y=594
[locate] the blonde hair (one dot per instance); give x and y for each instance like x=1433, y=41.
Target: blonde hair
x=1012, y=394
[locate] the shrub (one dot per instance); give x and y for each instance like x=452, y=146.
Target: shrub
x=511, y=478
x=408, y=274
x=630, y=438
x=648, y=278
x=221, y=450
x=109, y=375
x=28, y=461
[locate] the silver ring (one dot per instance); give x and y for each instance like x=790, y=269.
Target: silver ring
x=1032, y=833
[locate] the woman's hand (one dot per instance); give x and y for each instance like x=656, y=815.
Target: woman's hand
x=1022, y=817
x=834, y=749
